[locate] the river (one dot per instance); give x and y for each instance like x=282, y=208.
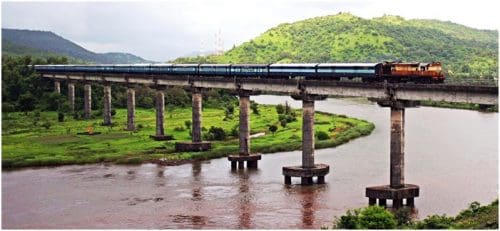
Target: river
x=451, y=154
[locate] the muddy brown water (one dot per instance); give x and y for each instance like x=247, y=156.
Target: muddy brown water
x=451, y=154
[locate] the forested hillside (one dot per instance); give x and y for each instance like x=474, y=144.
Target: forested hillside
x=47, y=44
x=464, y=51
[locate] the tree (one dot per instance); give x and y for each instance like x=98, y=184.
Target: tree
x=255, y=107
x=27, y=102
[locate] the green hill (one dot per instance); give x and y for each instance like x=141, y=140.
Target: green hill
x=464, y=51
x=46, y=44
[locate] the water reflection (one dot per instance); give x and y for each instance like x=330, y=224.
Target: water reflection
x=197, y=184
x=159, y=180
x=308, y=201
x=245, y=200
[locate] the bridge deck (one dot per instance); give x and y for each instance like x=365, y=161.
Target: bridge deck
x=487, y=95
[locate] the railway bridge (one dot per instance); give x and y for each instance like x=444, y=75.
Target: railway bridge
x=397, y=96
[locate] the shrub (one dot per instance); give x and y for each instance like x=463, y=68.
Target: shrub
x=372, y=217
x=322, y=135
x=216, y=133
x=283, y=123
x=188, y=124
x=280, y=108
x=435, y=222
x=255, y=107
x=403, y=216
x=290, y=118
x=179, y=128
x=27, y=102
x=235, y=131
x=376, y=217
x=273, y=128
x=47, y=125
x=60, y=117
x=8, y=107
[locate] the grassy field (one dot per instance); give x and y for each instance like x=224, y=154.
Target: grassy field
x=31, y=140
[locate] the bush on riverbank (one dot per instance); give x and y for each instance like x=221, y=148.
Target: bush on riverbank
x=375, y=217
x=26, y=144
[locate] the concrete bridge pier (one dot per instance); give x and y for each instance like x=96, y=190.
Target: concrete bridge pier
x=107, y=105
x=57, y=86
x=397, y=190
x=244, y=136
x=87, y=101
x=196, y=145
x=308, y=169
x=160, y=115
x=130, y=108
x=71, y=96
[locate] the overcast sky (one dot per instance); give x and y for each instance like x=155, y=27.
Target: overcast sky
x=165, y=30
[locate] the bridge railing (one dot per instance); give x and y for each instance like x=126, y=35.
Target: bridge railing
x=493, y=81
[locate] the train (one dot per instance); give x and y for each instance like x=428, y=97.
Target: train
x=368, y=72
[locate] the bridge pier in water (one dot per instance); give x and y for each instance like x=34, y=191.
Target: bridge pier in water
x=107, y=105
x=71, y=96
x=87, y=101
x=244, y=136
x=397, y=190
x=160, y=111
x=308, y=169
x=130, y=108
x=197, y=144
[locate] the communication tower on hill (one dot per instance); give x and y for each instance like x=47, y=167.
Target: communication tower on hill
x=219, y=43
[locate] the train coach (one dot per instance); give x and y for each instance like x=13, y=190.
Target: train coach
x=368, y=72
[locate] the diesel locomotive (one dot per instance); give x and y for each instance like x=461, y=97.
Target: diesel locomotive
x=368, y=72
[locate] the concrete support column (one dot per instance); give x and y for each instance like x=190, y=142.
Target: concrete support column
x=107, y=105
x=57, y=86
x=244, y=136
x=307, y=133
x=196, y=116
x=130, y=109
x=397, y=190
x=244, y=125
x=308, y=170
x=71, y=96
x=87, y=105
x=160, y=110
x=397, y=147
x=196, y=145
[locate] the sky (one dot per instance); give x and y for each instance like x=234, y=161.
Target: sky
x=165, y=30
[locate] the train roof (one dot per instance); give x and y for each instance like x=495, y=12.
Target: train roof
x=348, y=64
x=293, y=65
x=214, y=65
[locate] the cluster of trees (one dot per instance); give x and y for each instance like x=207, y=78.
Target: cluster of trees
x=24, y=90
x=375, y=217
x=285, y=114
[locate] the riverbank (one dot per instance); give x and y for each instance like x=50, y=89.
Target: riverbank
x=475, y=216
x=38, y=139
x=465, y=106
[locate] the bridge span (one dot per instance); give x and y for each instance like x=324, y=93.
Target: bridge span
x=397, y=96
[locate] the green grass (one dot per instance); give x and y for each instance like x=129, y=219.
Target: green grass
x=27, y=143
